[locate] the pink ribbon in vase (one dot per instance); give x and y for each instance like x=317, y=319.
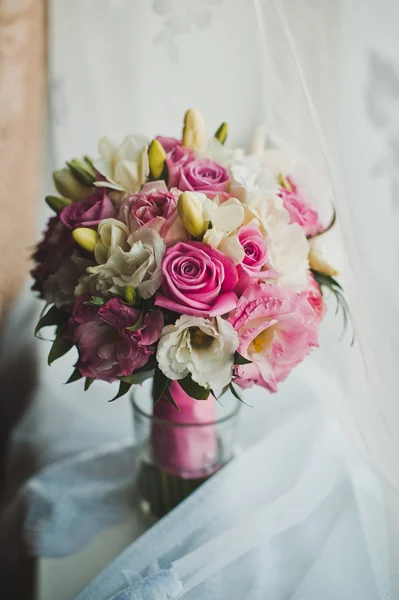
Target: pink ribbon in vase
x=184, y=442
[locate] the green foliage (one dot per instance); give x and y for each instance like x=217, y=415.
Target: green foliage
x=335, y=288
x=54, y=316
x=60, y=346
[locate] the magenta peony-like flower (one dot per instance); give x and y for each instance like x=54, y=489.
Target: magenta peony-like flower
x=254, y=264
x=300, y=211
x=56, y=245
x=107, y=349
x=197, y=280
x=89, y=212
x=202, y=175
x=277, y=329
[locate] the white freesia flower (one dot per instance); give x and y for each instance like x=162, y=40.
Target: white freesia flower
x=113, y=234
x=138, y=267
x=202, y=348
x=125, y=167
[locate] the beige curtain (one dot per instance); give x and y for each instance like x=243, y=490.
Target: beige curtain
x=22, y=99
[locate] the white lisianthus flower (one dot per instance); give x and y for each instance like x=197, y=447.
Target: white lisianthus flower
x=138, y=267
x=125, y=167
x=202, y=348
x=113, y=234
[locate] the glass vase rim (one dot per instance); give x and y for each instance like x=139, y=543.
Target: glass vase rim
x=222, y=419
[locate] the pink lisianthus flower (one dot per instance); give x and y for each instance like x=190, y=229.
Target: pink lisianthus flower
x=197, y=280
x=254, y=264
x=315, y=298
x=300, y=211
x=202, y=175
x=155, y=207
x=56, y=245
x=89, y=212
x=107, y=349
x=277, y=329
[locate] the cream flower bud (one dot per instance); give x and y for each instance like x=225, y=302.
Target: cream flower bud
x=194, y=132
x=319, y=263
x=86, y=238
x=190, y=211
x=112, y=234
x=69, y=187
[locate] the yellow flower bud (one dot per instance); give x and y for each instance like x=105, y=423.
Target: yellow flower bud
x=57, y=204
x=318, y=262
x=221, y=133
x=189, y=209
x=68, y=186
x=156, y=157
x=194, y=132
x=86, y=238
x=283, y=181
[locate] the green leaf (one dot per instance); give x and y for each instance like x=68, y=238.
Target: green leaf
x=74, y=377
x=57, y=204
x=193, y=389
x=89, y=163
x=123, y=389
x=88, y=382
x=54, y=316
x=168, y=395
x=95, y=301
x=241, y=360
x=139, y=323
x=234, y=392
x=82, y=172
x=138, y=377
x=60, y=347
x=161, y=383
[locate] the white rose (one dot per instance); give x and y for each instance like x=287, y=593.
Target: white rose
x=138, y=267
x=202, y=348
x=125, y=167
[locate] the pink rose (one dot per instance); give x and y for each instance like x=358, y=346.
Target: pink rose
x=254, y=264
x=277, y=329
x=89, y=212
x=175, y=160
x=168, y=143
x=57, y=245
x=154, y=207
x=203, y=175
x=107, y=349
x=301, y=212
x=315, y=298
x=198, y=280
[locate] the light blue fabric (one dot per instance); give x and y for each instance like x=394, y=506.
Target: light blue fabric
x=161, y=585
x=71, y=501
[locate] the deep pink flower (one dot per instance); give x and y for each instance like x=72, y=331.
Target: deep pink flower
x=277, y=329
x=89, y=212
x=154, y=207
x=254, y=264
x=300, y=211
x=56, y=245
x=202, y=175
x=198, y=280
x=107, y=349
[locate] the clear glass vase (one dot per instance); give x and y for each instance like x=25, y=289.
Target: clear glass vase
x=179, y=450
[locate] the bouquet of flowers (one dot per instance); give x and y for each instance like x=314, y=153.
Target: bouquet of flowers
x=186, y=261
